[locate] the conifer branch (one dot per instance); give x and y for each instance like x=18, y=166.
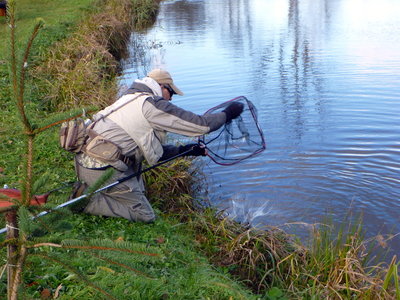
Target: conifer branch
x=79, y=274
x=60, y=119
x=13, y=59
x=93, y=247
x=23, y=252
x=110, y=248
x=6, y=209
x=24, y=62
x=14, y=71
x=29, y=171
x=121, y=265
x=11, y=241
x=101, y=181
x=25, y=221
x=38, y=185
x=46, y=244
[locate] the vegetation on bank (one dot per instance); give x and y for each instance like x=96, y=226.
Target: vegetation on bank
x=77, y=65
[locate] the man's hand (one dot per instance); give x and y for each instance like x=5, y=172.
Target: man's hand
x=193, y=150
x=233, y=111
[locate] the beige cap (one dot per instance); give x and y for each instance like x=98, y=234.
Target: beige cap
x=162, y=76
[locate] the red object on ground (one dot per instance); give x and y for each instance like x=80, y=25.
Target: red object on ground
x=3, y=8
x=16, y=194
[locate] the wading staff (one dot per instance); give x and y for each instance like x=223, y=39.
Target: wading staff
x=69, y=202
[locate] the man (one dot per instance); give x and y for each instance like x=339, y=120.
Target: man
x=138, y=122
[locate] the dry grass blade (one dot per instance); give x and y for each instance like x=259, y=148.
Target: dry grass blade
x=79, y=68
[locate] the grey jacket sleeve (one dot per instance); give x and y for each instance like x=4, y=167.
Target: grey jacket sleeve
x=163, y=115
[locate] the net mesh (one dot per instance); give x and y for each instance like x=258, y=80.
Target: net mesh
x=237, y=140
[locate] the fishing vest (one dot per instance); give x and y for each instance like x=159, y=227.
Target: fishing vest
x=129, y=116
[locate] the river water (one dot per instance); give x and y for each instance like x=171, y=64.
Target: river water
x=325, y=78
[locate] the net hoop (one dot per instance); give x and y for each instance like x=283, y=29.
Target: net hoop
x=260, y=144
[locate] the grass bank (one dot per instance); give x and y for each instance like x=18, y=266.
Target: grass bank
x=75, y=64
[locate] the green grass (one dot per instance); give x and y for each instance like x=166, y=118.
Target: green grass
x=178, y=272
x=60, y=17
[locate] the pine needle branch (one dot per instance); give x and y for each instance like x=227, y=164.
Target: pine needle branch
x=13, y=58
x=40, y=183
x=16, y=84
x=101, y=181
x=121, y=265
x=103, y=245
x=12, y=241
x=25, y=221
x=27, y=188
x=75, y=271
x=63, y=117
x=38, y=26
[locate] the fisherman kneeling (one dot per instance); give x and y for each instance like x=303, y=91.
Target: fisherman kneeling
x=138, y=122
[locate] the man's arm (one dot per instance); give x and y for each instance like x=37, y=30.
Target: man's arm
x=163, y=115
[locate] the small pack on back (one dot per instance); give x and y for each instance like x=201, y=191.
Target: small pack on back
x=73, y=135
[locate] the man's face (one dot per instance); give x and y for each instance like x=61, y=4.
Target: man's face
x=167, y=92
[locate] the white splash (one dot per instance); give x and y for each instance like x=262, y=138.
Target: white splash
x=243, y=211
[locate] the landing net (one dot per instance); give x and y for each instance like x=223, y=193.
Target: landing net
x=240, y=139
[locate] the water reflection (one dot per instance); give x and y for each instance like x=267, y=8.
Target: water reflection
x=190, y=15
x=325, y=78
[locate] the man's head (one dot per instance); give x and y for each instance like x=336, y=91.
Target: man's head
x=164, y=79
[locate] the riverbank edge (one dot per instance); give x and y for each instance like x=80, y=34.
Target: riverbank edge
x=226, y=242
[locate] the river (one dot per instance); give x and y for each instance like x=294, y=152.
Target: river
x=325, y=78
